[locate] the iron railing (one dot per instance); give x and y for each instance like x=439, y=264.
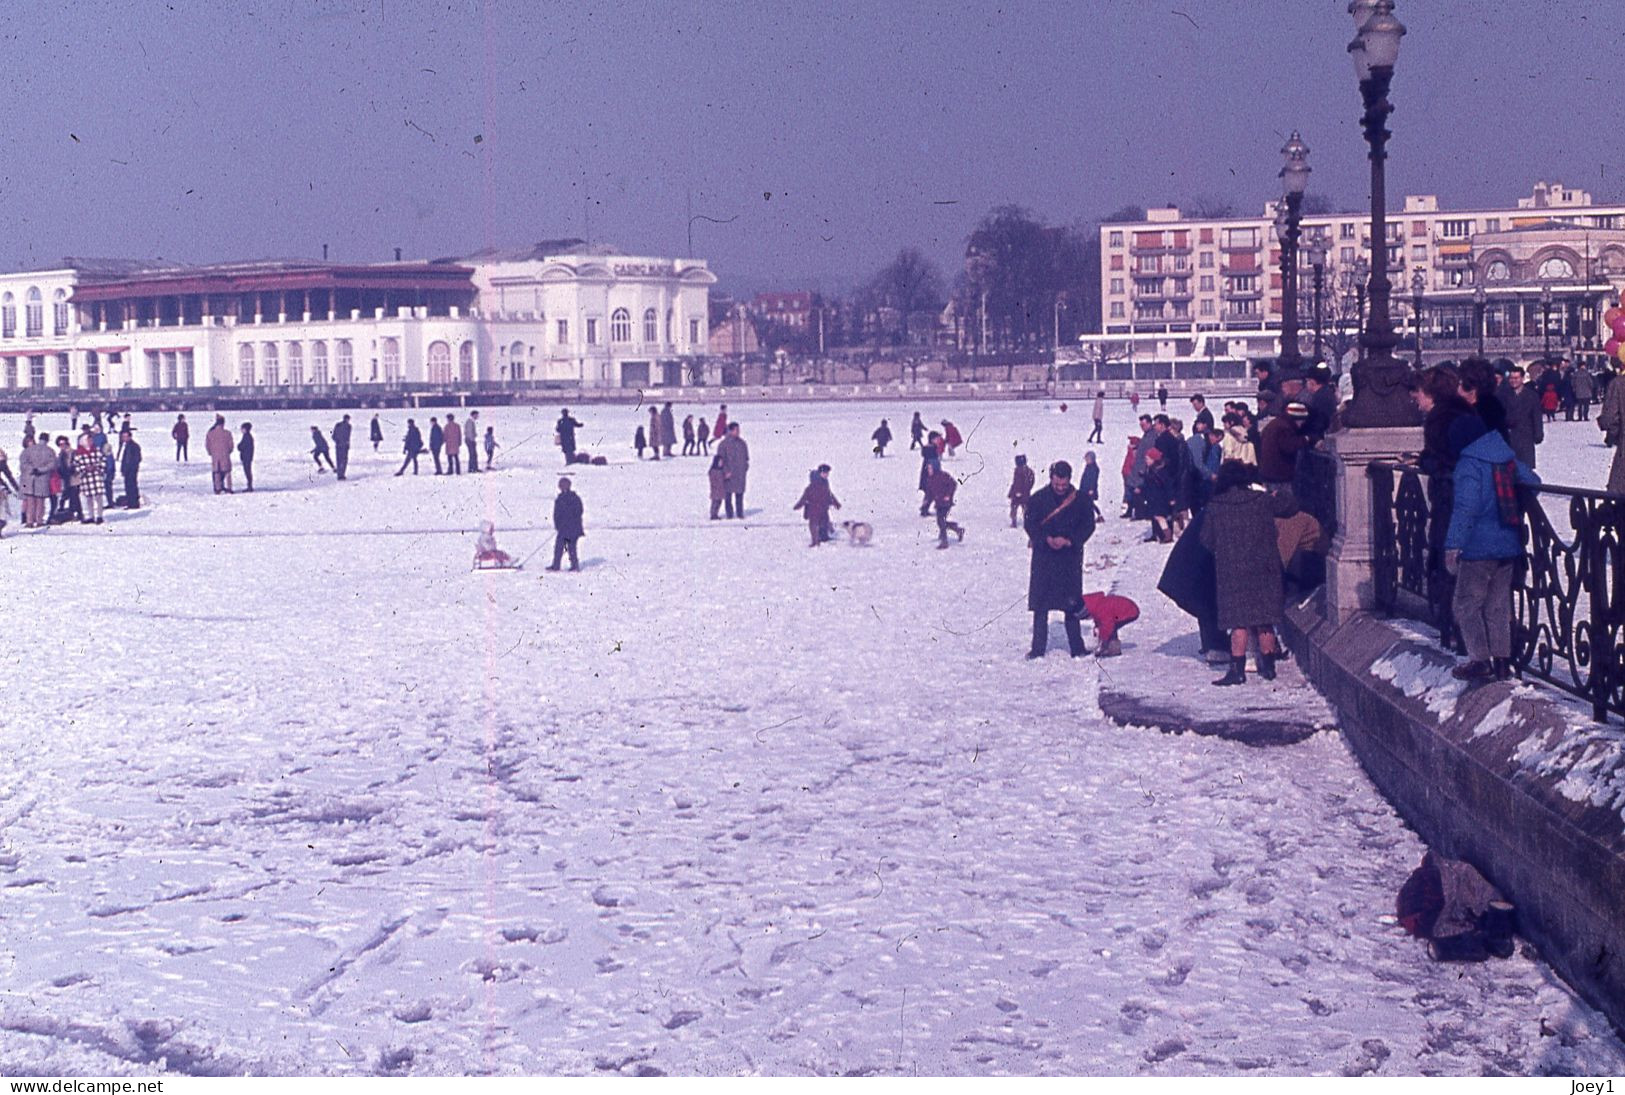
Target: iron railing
x=1568, y=593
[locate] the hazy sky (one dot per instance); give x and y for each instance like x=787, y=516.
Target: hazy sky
x=835, y=133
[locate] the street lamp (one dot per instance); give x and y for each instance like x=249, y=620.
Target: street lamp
x=1480, y=302
x=1546, y=322
x=1294, y=180
x=1318, y=246
x=1419, y=282
x=1380, y=398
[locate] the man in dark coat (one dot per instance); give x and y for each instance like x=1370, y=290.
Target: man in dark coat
x=1322, y=401
x=735, y=456
x=1203, y=415
x=341, y=446
x=567, y=528
x=668, y=429
x=376, y=433
x=129, y=462
x=1059, y=522
x=566, y=428
x=245, y=454
x=940, y=489
x=1279, y=443
x=1526, y=427
x=412, y=446
x=437, y=441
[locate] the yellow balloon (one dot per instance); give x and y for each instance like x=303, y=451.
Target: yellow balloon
x=1620, y=353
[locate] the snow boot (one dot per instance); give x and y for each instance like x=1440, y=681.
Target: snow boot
x=1496, y=924
x=1473, y=671
x=1504, y=669
x=1462, y=947
x=1237, y=674
x=1266, y=665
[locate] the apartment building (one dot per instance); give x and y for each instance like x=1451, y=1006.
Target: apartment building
x=1176, y=288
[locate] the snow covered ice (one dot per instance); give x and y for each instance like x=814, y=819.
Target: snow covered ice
x=289, y=789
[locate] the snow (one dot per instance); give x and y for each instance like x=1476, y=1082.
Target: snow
x=289, y=789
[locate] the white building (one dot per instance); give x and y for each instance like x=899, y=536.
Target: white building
x=555, y=314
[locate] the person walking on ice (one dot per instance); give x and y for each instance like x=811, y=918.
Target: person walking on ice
x=940, y=491
x=412, y=447
x=376, y=432
x=567, y=527
x=1021, y=489
x=817, y=500
x=1059, y=522
x=319, y=450
x=881, y=437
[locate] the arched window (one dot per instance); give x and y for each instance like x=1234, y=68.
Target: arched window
x=8, y=316
x=245, y=365
x=620, y=325
x=516, y=361
x=439, y=363
x=344, y=361
x=392, y=360
x=35, y=317
x=1556, y=268
x=651, y=326
x=59, y=311
x=93, y=370
x=1497, y=271
x=465, y=361
x=318, y=362
x=296, y=363
x=273, y=366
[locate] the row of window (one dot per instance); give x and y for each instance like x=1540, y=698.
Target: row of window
x=33, y=313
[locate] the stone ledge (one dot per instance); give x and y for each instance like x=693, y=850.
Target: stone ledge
x=1514, y=779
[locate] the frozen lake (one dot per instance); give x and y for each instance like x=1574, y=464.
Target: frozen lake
x=288, y=789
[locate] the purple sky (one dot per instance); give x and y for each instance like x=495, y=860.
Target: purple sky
x=834, y=133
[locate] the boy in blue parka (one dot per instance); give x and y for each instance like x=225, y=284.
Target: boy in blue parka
x=1482, y=546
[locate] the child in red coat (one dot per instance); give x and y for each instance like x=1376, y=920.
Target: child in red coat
x=1109, y=613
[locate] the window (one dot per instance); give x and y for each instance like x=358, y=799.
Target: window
x=35, y=315
x=1205, y=260
x=620, y=326
x=1117, y=262
x=1148, y=287
x=296, y=363
x=1346, y=231
x=465, y=362
x=439, y=363
x=694, y=332
x=1244, y=307
x=1456, y=230
x=155, y=370
x=1206, y=235
x=1182, y=287
x=1182, y=310
x=11, y=372
x=1117, y=285
x=1207, y=307
x=1346, y=256
x=592, y=332
x=1206, y=283
x=564, y=332
x=392, y=360
x=8, y=318
x=36, y=371
x=172, y=376
x=1419, y=252
x=1148, y=311
x=344, y=361
x=1241, y=239
x=1492, y=224
x=273, y=366
x=651, y=326
x=1148, y=264
x=1115, y=239
x=516, y=361
x=188, y=369
x=318, y=362
x=1419, y=228
x=93, y=370
x=1182, y=262
x=59, y=311
x=1245, y=284
x=1555, y=268
x=245, y=366
x=1497, y=271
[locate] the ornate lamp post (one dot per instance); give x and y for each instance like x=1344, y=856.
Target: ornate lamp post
x=1546, y=322
x=1294, y=180
x=1419, y=282
x=1318, y=246
x=1380, y=398
x=1480, y=301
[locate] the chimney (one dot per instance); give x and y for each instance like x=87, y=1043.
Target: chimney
x=397, y=254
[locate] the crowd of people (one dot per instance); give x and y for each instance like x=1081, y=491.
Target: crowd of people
x=73, y=476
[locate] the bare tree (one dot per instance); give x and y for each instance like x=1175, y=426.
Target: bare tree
x=910, y=283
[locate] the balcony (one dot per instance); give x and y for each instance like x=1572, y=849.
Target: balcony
x=1164, y=249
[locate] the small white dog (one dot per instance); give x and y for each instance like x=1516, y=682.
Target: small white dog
x=858, y=533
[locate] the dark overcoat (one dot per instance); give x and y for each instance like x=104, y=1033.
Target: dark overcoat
x=567, y=510
x=1240, y=532
x=1056, y=580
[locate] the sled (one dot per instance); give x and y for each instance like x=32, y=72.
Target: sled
x=490, y=564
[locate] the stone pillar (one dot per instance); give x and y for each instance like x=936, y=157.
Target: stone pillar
x=1348, y=564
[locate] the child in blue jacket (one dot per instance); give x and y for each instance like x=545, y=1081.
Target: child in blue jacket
x=1482, y=548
